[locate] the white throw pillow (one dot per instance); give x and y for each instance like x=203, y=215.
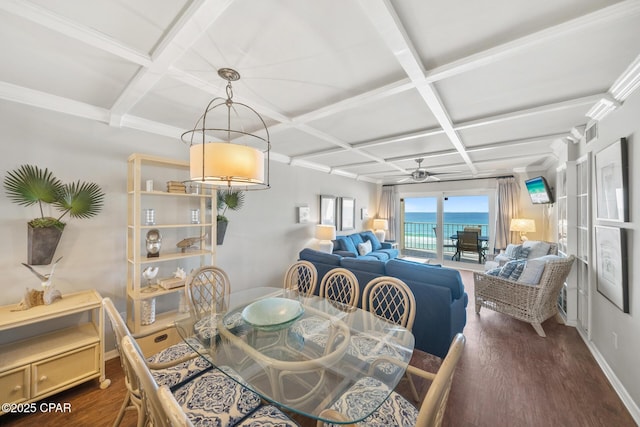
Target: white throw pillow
x=532, y=272
x=536, y=248
x=364, y=248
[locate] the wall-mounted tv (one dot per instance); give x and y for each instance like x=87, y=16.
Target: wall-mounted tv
x=539, y=190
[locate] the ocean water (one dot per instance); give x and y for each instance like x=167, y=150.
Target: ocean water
x=452, y=221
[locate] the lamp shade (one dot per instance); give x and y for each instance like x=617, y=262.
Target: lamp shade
x=380, y=224
x=523, y=225
x=227, y=163
x=325, y=232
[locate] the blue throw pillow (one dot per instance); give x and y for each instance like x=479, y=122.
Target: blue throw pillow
x=512, y=270
x=346, y=244
x=375, y=243
x=494, y=271
x=523, y=253
x=356, y=238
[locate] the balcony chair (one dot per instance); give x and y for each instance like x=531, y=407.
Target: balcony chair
x=301, y=277
x=469, y=241
x=396, y=410
x=448, y=245
x=211, y=398
x=530, y=303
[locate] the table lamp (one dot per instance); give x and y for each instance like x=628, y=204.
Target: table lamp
x=380, y=225
x=524, y=226
x=325, y=234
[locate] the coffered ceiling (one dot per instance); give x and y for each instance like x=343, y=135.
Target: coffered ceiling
x=357, y=88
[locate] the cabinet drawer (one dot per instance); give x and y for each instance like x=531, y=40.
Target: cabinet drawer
x=154, y=343
x=14, y=385
x=65, y=369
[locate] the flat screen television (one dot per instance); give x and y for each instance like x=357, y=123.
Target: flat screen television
x=539, y=190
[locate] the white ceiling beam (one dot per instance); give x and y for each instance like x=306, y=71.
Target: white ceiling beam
x=387, y=22
x=79, y=32
x=47, y=101
x=189, y=28
x=612, y=13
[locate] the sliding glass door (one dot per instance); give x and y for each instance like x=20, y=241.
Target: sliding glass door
x=430, y=225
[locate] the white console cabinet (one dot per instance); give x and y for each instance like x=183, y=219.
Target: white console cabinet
x=36, y=365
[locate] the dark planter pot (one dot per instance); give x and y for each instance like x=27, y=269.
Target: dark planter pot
x=42, y=244
x=222, y=229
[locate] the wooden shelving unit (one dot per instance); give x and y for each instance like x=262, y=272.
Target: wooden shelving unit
x=173, y=221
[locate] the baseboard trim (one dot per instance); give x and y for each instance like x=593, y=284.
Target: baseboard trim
x=112, y=354
x=628, y=402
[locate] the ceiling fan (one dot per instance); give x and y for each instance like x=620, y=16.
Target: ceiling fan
x=421, y=175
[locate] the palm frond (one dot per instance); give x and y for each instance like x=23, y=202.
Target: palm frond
x=80, y=200
x=28, y=185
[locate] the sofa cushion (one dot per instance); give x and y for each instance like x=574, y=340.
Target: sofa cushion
x=356, y=238
x=375, y=243
x=532, y=272
x=364, y=248
x=391, y=253
x=426, y=273
x=537, y=248
x=370, y=265
x=346, y=244
x=321, y=257
x=382, y=256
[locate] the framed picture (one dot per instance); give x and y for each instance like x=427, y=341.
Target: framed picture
x=347, y=213
x=611, y=182
x=611, y=265
x=328, y=210
x=304, y=214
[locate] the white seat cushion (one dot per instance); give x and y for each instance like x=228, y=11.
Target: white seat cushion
x=205, y=330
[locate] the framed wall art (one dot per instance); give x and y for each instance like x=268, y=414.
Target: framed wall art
x=347, y=213
x=611, y=182
x=328, y=210
x=304, y=214
x=611, y=265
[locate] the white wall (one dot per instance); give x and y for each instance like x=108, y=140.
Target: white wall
x=262, y=239
x=607, y=318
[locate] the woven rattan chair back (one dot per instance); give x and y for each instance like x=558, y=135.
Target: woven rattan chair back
x=340, y=285
x=172, y=408
x=149, y=388
x=391, y=299
x=302, y=277
x=208, y=290
x=132, y=399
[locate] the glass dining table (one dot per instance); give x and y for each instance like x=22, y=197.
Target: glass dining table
x=302, y=353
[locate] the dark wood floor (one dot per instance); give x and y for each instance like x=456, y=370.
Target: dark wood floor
x=508, y=376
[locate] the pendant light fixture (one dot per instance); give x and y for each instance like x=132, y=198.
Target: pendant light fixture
x=225, y=149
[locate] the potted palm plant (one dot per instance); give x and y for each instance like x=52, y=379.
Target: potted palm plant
x=227, y=199
x=29, y=185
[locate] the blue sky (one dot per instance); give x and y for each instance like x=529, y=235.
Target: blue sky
x=454, y=204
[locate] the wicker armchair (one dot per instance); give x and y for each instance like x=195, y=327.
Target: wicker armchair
x=531, y=303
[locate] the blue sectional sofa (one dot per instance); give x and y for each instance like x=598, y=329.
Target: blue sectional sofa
x=347, y=246
x=440, y=297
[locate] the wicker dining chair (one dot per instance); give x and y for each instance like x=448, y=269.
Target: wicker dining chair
x=207, y=289
x=390, y=299
x=340, y=285
x=199, y=398
x=396, y=411
x=169, y=366
x=530, y=303
x=302, y=277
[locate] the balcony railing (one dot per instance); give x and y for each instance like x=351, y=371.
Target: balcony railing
x=422, y=235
